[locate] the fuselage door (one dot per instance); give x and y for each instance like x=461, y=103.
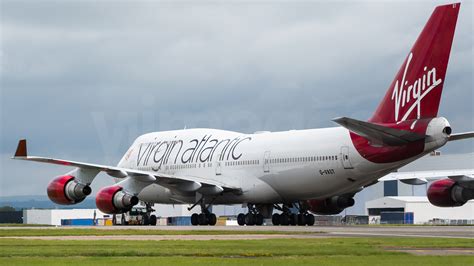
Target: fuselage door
x=346, y=163
x=218, y=165
x=266, y=162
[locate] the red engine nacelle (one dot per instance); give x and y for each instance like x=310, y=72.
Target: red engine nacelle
x=65, y=190
x=332, y=205
x=447, y=193
x=114, y=200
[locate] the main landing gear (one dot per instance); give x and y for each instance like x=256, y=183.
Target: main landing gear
x=205, y=217
x=148, y=218
x=288, y=218
x=253, y=217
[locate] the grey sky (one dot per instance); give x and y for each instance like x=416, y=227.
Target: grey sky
x=81, y=79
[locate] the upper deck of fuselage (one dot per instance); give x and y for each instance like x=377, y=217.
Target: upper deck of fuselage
x=199, y=132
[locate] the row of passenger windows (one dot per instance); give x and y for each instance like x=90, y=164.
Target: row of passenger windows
x=302, y=159
x=178, y=166
x=244, y=162
x=251, y=162
x=188, y=166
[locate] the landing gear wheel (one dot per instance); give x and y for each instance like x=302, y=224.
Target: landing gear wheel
x=284, y=219
x=146, y=220
x=153, y=220
x=293, y=219
x=309, y=219
x=302, y=219
x=211, y=219
x=241, y=219
x=276, y=219
x=195, y=219
x=202, y=219
x=259, y=219
x=249, y=219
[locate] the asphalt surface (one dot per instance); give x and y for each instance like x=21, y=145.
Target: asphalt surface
x=466, y=232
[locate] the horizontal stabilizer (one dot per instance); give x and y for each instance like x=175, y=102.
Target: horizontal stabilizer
x=378, y=134
x=459, y=136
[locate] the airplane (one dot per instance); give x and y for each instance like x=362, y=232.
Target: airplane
x=298, y=172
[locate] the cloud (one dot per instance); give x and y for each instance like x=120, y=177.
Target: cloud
x=83, y=79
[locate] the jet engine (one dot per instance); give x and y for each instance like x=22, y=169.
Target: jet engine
x=114, y=200
x=66, y=190
x=332, y=205
x=447, y=193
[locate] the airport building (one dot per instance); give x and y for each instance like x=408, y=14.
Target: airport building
x=421, y=210
x=59, y=216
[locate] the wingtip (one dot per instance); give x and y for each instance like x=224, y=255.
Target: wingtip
x=21, y=150
x=340, y=120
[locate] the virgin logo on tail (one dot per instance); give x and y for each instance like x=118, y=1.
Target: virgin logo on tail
x=411, y=95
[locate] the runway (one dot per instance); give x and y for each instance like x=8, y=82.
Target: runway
x=334, y=231
x=461, y=232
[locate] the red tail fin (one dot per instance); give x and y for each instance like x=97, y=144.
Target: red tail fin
x=416, y=90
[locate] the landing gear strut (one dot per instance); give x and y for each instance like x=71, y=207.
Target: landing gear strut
x=148, y=218
x=289, y=218
x=205, y=217
x=253, y=217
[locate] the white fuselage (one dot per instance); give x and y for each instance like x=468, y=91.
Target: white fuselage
x=269, y=167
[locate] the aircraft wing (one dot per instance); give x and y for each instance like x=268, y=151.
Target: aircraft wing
x=180, y=183
x=462, y=176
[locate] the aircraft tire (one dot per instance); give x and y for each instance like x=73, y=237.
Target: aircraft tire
x=146, y=220
x=250, y=219
x=259, y=219
x=153, y=220
x=284, y=219
x=195, y=219
x=241, y=219
x=293, y=219
x=302, y=219
x=211, y=219
x=203, y=219
x=309, y=219
x=276, y=219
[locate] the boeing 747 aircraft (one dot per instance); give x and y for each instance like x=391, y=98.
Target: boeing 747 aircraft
x=316, y=171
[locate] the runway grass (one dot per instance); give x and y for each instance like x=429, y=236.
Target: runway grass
x=326, y=251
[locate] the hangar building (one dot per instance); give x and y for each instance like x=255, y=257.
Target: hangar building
x=423, y=211
x=54, y=216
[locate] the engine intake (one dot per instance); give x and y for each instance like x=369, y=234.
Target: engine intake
x=332, y=205
x=114, y=200
x=65, y=190
x=447, y=193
